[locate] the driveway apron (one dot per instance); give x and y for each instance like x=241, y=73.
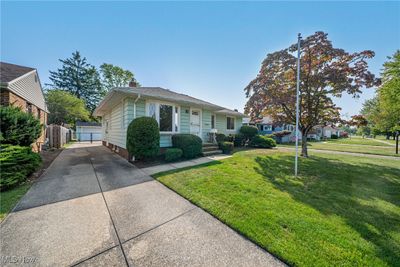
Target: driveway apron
x=93, y=208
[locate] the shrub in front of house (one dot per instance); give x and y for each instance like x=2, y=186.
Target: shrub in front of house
x=18, y=127
x=17, y=163
x=262, y=142
x=248, y=131
x=143, y=138
x=173, y=154
x=239, y=140
x=226, y=147
x=190, y=144
x=334, y=136
x=220, y=137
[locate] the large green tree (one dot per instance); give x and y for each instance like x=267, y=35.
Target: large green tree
x=326, y=72
x=389, y=93
x=383, y=111
x=65, y=108
x=79, y=78
x=114, y=76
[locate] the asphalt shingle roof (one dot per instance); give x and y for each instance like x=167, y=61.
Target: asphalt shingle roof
x=166, y=94
x=10, y=72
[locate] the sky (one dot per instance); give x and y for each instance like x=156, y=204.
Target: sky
x=209, y=50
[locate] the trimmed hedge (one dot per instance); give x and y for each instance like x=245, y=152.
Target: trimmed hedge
x=18, y=127
x=248, y=131
x=173, y=154
x=143, y=138
x=17, y=163
x=262, y=141
x=220, y=137
x=190, y=144
x=226, y=147
x=239, y=140
x=334, y=136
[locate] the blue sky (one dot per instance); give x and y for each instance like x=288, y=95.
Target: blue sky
x=209, y=50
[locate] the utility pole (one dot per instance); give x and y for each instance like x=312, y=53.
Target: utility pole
x=297, y=104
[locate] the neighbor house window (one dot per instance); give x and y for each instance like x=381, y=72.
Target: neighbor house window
x=28, y=107
x=267, y=128
x=38, y=113
x=230, y=123
x=212, y=121
x=166, y=115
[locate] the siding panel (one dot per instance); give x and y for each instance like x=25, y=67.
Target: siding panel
x=205, y=124
x=29, y=88
x=185, y=120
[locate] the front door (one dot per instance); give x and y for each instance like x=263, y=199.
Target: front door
x=195, y=122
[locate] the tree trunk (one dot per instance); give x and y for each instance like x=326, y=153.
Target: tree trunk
x=304, y=152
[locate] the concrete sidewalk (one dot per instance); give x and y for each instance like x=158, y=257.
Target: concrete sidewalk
x=183, y=164
x=91, y=207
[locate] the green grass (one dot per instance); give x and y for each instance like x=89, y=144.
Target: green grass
x=356, y=148
x=383, y=138
x=357, y=141
x=341, y=211
x=8, y=199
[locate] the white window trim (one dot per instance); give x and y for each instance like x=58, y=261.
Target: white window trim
x=234, y=123
x=158, y=103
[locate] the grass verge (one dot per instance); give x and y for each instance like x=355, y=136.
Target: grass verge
x=8, y=199
x=341, y=210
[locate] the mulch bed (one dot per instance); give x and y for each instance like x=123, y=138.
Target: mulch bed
x=47, y=158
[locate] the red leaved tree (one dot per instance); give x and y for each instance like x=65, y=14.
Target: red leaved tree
x=325, y=72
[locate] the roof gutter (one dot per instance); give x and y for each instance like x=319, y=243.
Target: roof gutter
x=134, y=106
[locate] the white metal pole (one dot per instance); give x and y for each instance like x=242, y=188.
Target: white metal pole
x=297, y=104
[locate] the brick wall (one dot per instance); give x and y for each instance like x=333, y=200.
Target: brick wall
x=8, y=98
x=119, y=150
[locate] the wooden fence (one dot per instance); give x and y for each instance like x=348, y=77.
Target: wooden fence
x=58, y=136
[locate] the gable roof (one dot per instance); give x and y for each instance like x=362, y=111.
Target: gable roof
x=162, y=94
x=10, y=72
x=87, y=123
x=23, y=82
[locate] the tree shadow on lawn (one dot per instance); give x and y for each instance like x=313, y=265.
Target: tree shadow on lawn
x=336, y=187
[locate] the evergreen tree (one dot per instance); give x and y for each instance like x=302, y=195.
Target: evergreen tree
x=79, y=78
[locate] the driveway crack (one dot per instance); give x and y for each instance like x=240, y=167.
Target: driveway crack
x=109, y=213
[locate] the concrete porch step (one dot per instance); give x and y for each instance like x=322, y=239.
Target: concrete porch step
x=208, y=144
x=212, y=152
x=210, y=148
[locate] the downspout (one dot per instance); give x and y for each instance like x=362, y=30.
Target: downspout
x=134, y=106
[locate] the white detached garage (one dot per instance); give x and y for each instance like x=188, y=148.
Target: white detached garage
x=87, y=131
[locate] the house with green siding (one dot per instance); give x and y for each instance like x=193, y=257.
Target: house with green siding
x=174, y=112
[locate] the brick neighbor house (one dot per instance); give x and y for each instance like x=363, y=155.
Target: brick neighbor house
x=20, y=86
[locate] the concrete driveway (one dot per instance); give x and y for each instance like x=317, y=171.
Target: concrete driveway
x=92, y=207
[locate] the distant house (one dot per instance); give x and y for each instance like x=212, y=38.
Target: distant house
x=174, y=112
x=20, y=87
x=321, y=132
x=88, y=131
x=267, y=126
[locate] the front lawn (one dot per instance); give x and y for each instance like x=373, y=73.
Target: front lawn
x=341, y=211
x=358, y=141
x=356, y=148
